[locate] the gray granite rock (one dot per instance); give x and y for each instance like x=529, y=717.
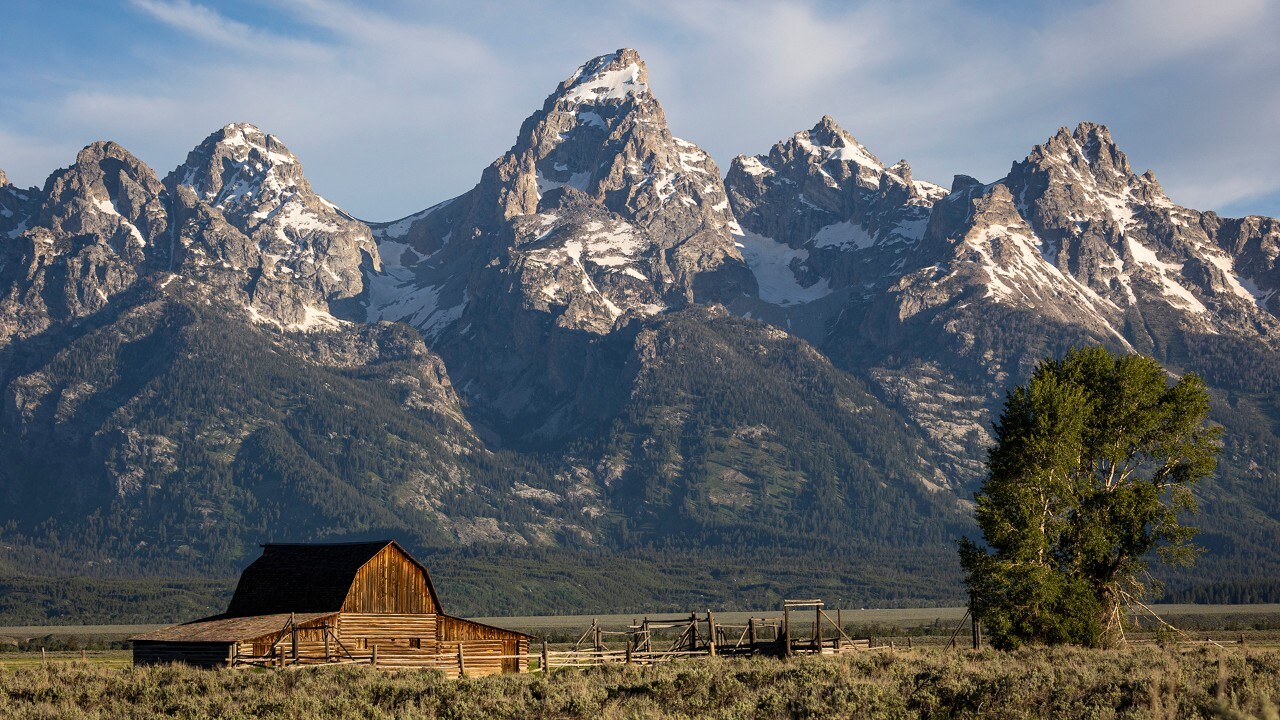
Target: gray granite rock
x=87, y=243
x=596, y=216
x=247, y=209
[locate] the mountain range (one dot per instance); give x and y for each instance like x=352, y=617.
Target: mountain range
x=606, y=377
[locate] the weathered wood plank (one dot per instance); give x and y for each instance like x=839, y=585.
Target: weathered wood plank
x=391, y=582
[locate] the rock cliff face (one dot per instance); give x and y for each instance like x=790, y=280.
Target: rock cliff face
x=96, y=223
x=237, y=221
x=957, y=294
x=245, y=210
x=597, y=215
x=595, y=218
x=823, y=220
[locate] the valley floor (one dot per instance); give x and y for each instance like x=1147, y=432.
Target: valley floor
x=1140, y=682
x=1260, y=623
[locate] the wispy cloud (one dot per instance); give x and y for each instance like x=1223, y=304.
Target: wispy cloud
x=395, y=106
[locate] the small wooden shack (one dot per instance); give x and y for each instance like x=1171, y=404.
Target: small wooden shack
x=367, y=602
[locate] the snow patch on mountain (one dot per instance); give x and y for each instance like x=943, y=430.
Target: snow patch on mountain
x=594, y=82
x=773, y=264
x=1165, y=274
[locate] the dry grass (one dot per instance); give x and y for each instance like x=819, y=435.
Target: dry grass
x=1148, y=682
x=98, y=658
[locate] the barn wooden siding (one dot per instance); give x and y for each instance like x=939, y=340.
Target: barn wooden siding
x=390, y=582
x=484, y=640
x=405, y=640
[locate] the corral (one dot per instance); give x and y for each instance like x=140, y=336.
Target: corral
x=311, y=604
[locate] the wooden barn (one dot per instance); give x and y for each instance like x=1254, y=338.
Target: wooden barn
x=337, y=603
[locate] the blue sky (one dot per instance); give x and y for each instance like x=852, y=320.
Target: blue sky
x=395, y=108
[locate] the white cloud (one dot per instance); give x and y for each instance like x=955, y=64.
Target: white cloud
x=394, y=109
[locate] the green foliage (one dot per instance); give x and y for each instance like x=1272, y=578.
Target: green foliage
x=1091, y=472
x=96, y=601
x=740, y=434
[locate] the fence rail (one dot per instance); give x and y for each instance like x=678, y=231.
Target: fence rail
x=646, y=642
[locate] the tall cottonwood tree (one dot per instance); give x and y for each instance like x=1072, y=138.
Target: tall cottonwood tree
x=1089, y=478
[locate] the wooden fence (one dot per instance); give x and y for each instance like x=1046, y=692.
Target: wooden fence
x=645, y=642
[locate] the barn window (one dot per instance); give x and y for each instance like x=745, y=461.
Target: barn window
x=415, y=642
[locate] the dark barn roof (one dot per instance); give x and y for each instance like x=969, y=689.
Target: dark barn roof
x=222, y=629
x=306, y=578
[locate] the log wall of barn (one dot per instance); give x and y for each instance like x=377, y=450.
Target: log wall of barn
x=406, y=640
x=207, y=655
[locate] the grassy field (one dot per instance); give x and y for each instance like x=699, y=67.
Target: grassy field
x=1193, y=679
x=96, y=658
x=1147, y=682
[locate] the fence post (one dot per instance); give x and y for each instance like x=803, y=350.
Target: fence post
x=817, y=629
x=711, y=633
x=786, y=630
x=546, y=664
x=628, y=651
x=44, y=660
x=231, y=655
x=751, y=633
x=462, y=666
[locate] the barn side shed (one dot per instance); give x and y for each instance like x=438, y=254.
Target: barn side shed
x=346, y=602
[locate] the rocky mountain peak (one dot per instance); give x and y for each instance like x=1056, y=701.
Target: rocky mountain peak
x=604, y=133
x=828, y=143
x=1072, y=234
x=598, y=211
x=828, y=138
x=1088, y=152
x=82, y=240
x=17, y=206
x=900, y=170
x=616, y=77
x=246, y=207
x=817, y=210
x=110, y=195
x=1081, y=182
x=241, y=170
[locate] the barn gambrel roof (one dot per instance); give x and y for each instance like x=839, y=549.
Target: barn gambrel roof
x=307, y=578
